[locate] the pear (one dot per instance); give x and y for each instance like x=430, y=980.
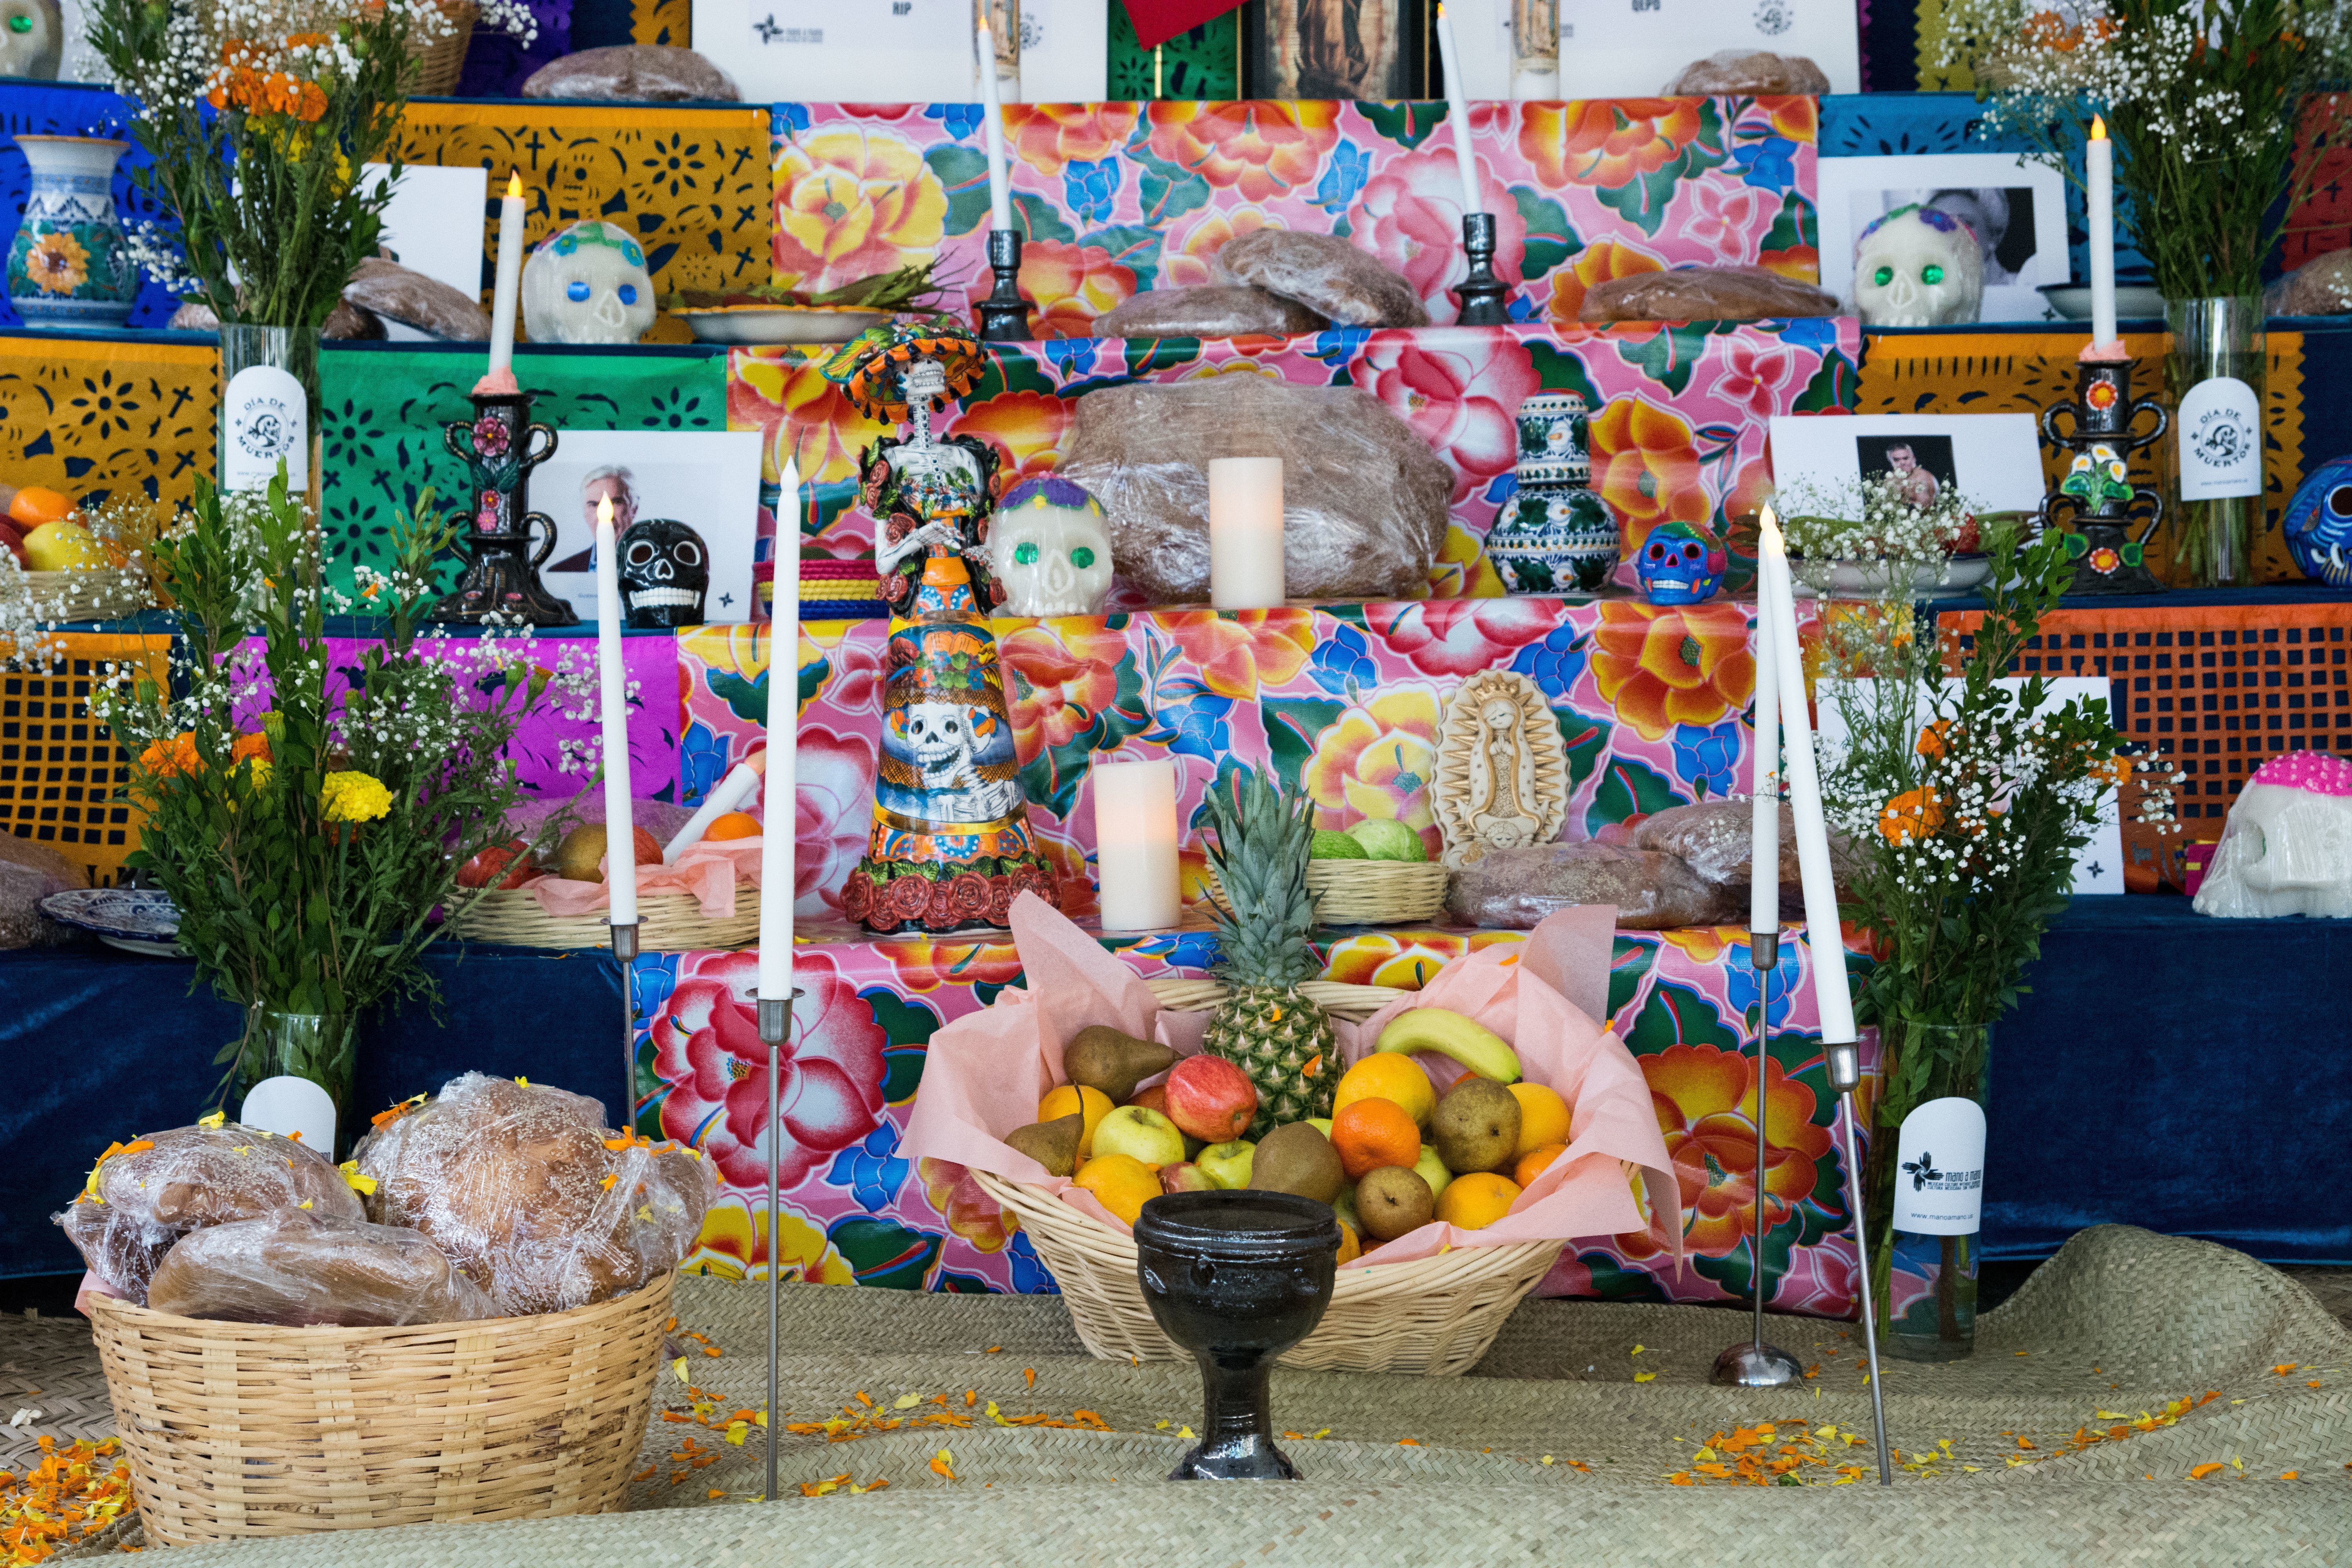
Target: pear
x=1052, y=1144
x=1297, y=1159
x=1393, y=1200
x=1477, y=1127
x=1102, y=1057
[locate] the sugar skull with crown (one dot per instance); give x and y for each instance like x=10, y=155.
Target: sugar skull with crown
x=1681, y=563
x=2287, y=849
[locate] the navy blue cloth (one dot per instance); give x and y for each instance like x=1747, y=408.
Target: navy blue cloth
x=68, y=108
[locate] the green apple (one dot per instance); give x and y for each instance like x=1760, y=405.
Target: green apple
x=1344, y=1205
x=1321, y=1124
x=1142, y=1132
x=1386, y=838
x=1327, y=844
x=1431, y=1169
x=1227, y=1165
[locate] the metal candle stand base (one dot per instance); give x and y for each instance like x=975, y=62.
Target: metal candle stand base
x=1753, y=1364
x=2109, y=558
x=776, y=1027
x=1004, y=314
x=1483, y=296
x=1845, y=1076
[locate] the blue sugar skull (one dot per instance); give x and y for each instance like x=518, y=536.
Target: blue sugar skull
x=2319, y=524
x=1680, y=563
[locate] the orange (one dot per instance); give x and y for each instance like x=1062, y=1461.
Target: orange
x=1391, y=1076
x=1477, y=1199
x=1535, y=1162
x=1350, y=1248
x=735, y=825
x=1543, y=1117
x=1371, y=1134
x=1091, y=1103
x=1122, y=1183
x=36, y=504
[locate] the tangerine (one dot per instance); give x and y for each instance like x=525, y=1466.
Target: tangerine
x=1391, y=1076
x=1121, y=1183
x=734, y=825
x=1535, y=1162
x=1543, y=1117
x=1091, y=1103
x=1350, y=1248
x=1477, y=1199
x=1371, y=1134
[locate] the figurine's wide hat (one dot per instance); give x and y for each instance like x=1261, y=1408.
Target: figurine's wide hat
x=869, y=366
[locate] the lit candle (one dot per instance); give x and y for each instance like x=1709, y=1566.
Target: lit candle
x=620, y=825
x=2099, y=170
x=1457, y=109
x=1822, y=934
x=741, y=782
x=510, y=288
x=1764, y=866
x=992, y=119
x=1135, y=844
x=779, y=823
x=1246, y=570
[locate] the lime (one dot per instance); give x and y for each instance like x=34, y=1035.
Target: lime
x=1386, y=838
x=1331, y=846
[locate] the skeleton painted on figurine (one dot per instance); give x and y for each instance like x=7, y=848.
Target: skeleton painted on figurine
x=1917, y=267
x=587, y=285
x=1049, y=550
x=1501, y=779
x=947, y=740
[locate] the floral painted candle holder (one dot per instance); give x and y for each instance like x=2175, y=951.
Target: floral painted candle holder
x=501, y=447
x=2098, y=496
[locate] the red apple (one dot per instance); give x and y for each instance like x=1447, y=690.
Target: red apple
x=1185, y=1178
x=648, y=849
x=1210, y=1099
x=15, y=545
x=1152, y=1098
x=487, y=866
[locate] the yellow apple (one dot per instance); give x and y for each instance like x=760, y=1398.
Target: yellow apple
x=63, y=546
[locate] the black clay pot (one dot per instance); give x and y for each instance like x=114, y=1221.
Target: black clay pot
x=1236, y=1279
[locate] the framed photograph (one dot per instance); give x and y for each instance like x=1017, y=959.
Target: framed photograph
x=1370, y=49
x=1994, y=459
x=2015, y=208
x=1626, y=49
x=708, y=481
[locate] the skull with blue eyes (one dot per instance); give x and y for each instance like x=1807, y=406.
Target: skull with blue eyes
x=1680, y=563
x=2319, y=524
x=587, y=285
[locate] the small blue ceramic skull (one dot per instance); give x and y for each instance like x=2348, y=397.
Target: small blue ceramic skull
x=2319, y=524
x=1680, y=563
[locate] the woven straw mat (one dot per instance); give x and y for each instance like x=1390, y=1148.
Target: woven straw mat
x=1402, y=1469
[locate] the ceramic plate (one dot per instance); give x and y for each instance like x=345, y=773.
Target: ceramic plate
x=121, y=916
x=779, y=324
x=2134, y=302
x=1961, y=574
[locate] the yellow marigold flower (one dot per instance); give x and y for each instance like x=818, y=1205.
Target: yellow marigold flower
x=354, y=797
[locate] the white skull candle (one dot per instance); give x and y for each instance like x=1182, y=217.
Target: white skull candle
x=587, y=285
x=1917, y=267
x=2287, y=849
x=1049, y=546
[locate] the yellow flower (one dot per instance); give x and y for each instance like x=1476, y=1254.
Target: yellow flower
x=354, y=797
x=57, y=263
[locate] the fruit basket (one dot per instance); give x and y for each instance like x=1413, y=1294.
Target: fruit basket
x=1367, y=892
x=668, y=922
x=238, y=1431
x=1187, y=993
x=103, y=593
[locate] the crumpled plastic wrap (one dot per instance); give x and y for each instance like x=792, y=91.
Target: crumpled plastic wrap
x=1323, y=272
x=2320, y=287
x=532, y=1195
x=1716, y=839
x=1364, y=499
x=146, y=1195
x=388, y=290
x=1215, y=310
x=634, y=73
x=29, y=872
x=1749, y=70
x=1512, y=889
x=1703, y=294
x=299, y=1269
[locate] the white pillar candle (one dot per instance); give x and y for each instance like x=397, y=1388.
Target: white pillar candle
x=1764, y=873
x=509, y=279
x=779, y=825
x=734, y=791
x=1135, y=844
x=620, y=825
x=2099, y=181
x=991, y=121
x=1833, y=995
x=1457, y=109
x=1245, y=570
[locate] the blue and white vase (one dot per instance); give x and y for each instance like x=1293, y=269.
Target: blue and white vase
x=70, y=264
x=1555, y=536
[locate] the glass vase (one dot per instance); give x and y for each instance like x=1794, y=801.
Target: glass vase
x=268, y=407
x=1926, y=1186
x=300, y=1064
x=2214, y=373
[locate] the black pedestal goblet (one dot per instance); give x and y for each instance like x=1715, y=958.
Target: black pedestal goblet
x=1236, y=1279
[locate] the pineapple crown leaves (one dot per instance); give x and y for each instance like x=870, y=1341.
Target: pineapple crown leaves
x=1259, y=850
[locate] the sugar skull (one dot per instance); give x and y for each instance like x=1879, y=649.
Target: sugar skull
x=587, y=285
x=32, y=38
x=2319, y=523
x=1680, y=563
x=1917, y=267
x=2287, y=849
x=665, y=572
x=1049, y=549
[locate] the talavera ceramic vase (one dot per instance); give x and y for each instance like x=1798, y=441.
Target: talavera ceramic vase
x=70, y=265
x=1555, y=536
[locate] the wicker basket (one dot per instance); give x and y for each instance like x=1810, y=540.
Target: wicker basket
x=668, y=922
x=441, y=63
x=1367, y=892
x=236, y=1431
x=108, y=594
x=1435, y=1316
x=1337, y=997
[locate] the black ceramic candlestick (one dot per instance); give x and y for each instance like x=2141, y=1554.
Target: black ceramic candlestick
x=1004, y=315
x=2097, y=492
x=1236, y=1279
x=1482, y=293
x=500, y=446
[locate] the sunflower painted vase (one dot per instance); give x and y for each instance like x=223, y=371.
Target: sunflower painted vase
x=70, y=264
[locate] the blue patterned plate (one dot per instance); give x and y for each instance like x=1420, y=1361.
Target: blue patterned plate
x=137, y=920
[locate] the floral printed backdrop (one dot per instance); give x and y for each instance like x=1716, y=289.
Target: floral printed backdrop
x=1115, y=198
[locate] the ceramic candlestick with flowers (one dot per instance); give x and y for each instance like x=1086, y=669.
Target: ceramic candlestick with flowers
x=500, y=446
x=2097, y=495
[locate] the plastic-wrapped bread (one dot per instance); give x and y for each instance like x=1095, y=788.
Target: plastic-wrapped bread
x=1513, y=889
x=298, y=1269
x=145, y=1195
x=1212, y=310
x=1323, y=272
x=532, y=1195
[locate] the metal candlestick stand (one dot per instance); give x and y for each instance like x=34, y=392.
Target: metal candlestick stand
x=1004, y=315
x=775, y=1025
x=1846, y=1073
x=1482, y=293
x=1754, y=1363
x=625, y=950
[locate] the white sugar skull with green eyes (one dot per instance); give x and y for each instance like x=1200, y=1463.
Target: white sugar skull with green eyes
x=1049, y=549
x=1917, y=267
x=587, y=285
x=32, y=38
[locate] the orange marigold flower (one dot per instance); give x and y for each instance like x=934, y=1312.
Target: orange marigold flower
x=246, y=747
x=170, y=759
x=1932, y=740
x=1911, y=815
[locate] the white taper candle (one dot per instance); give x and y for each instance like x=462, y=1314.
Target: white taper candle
x=734, y=791
x=1764, y=867
x=508, y=292
x=620, y=825
x=779, y=825
x=2099, y=181
x=991, y=117
x=1457, y=109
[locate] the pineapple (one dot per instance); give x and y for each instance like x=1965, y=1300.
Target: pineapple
x=1282, y=1040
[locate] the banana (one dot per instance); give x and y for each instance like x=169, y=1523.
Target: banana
x=1448, y=1033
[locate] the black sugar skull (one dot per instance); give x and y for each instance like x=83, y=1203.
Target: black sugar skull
x=665, y=572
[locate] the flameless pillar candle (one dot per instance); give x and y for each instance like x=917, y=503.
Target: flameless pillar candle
x=620, y=825
x=1764, y=864
x=1457, y=109
x=1832, y=994
x=991, y=117
x=510, y=288
x=2099, y=181
x=1245, y=570
x=779, y=825
x=1135, y=844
